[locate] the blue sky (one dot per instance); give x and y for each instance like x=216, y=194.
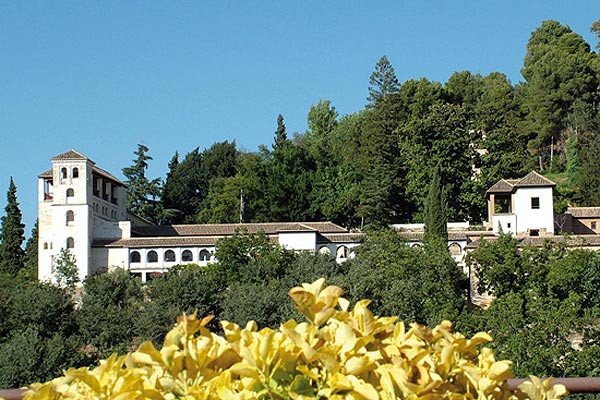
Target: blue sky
x=102, y=76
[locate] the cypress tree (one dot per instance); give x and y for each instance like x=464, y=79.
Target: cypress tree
x=436, y=214
x=31, y=254
x=12, y=234
x=280, y=134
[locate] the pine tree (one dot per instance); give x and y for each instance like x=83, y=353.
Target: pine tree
x=12, y=234
x=142, y=193
x=436, y=217
x=383, y=81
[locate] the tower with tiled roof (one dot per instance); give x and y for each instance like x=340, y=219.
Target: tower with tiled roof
x=77, y=201
x=522, y=206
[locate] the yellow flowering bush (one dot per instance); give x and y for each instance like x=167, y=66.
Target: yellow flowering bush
x=336, y=354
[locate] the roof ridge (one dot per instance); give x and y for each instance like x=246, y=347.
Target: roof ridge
x=71, y=154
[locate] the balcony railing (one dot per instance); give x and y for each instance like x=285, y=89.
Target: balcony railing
x=573, y=385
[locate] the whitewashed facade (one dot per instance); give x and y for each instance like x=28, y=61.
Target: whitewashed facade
x=522, y=207
x=82, y=208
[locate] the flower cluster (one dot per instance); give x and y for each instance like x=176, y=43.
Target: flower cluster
x=337, y=353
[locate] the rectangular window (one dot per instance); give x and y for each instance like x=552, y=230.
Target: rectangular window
x=594, y=225
x=535, y=203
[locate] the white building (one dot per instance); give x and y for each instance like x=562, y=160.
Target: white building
x=82, y=208
x=523, y=207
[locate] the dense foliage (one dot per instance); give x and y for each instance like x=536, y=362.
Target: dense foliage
x=409, y=155
x=338, y=353
x=374, y=166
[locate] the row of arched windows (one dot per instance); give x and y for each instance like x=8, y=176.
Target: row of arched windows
x=341, y=252
x=64, y=173
x=169, y=256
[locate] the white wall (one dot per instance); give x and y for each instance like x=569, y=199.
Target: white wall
x=508, y=222
x=298, y=240
x=528, y=218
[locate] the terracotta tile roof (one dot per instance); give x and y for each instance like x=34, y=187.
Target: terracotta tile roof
x=46, y=174
x=108, y=175
x=502, y=186
x=296, y=227
x=418, y=236
x=70, y=155
x=269, y=228
x=206, y=241
x=539, y=241
x=350, y=237
x=532, y=179
x=584, y=212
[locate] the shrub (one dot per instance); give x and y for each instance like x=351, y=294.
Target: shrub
x=336, y=354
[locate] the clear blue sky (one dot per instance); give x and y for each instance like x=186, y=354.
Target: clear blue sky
x=102, y=76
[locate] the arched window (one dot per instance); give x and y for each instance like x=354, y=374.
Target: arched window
x=45, y=245
x=204, y=255
x=70, y=217
x=75, y=173
x=152, y=257
x=187, y=256
x=70, y=243
x=70, y=192
x=342, y=252
x=455, y=249
x=135, y=257
x=63, y=173
x=169, y=256
x=324, y=250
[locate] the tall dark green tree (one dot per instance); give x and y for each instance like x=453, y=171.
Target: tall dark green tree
x=188, y=182
x=31, y=254
x=12, y=235
x=290, y=175
x=436, y=212
x=281, y=138
x=142, y=193
x=383, y=81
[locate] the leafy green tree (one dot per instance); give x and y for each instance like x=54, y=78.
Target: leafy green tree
x=27, y=357
x=289, y=173
x=142, y=193
x=383, y=81
x=546, y=301
x=439, y=137
x=415, y=284
x=41, y=306
x=110, y=307
x=322, y=120
x=337, y=181
x=188, y=181
x=12, y=234
x=65, y=269
x=183, y=289
x=587, y=176
x=595, y=28
x=222, y=203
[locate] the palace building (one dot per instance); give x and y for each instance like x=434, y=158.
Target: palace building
x=82, y=208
